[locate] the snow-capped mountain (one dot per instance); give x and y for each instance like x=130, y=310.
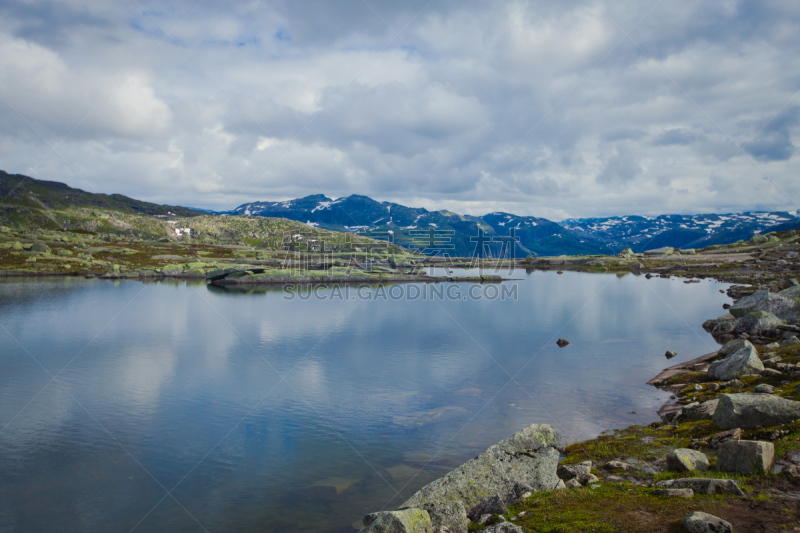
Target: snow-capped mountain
x=680, y=231
x=415, y=227
x=418, y=228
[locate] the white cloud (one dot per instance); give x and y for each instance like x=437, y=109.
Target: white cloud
x=527, y=107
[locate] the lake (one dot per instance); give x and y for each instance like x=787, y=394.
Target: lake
x=173, y=406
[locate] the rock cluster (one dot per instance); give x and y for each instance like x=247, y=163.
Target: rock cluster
x=507, y=472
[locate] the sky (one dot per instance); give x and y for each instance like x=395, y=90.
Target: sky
x=552, y=109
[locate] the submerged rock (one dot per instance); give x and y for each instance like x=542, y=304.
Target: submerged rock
x=528, y=457
x=747, y=411
x=670, y=354
x=742, y=362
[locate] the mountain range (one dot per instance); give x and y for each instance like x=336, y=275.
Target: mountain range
x=27, y=201
x=537, y=236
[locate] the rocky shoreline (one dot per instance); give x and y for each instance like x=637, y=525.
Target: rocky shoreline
x=724, y=457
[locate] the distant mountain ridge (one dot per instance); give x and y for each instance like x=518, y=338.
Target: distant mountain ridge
x=537, y=236
x=24, y=191
x=681, y=231
x=23, y=198
x=433, y=231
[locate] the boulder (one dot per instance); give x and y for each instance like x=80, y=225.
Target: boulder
x=586, y=479
x=400, y=521
x=791, y=292
x=40, y=248
x=670, y=354
x=765, y=388
x=450, y=515
x=698, y=522
x=791, y=341
x=732, y=384
x=686, y=460
x=747, y=411
x=733, y=346
x=573, y=484
x=666, y=250
x=758, y=239
x=723, y=325
x=679, y=493
x=172, y=270
x=724, y=436
x=528, y=457
x=742, y=362
x=700, y=411
x=567, y=472
x=562, y=342
x=746, y=456
x=757, y=323
x=617, y=465
x=491, y=505
x=782, y=306
x=703, y=485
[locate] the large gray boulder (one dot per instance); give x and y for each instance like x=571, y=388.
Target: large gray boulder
x=400, y=521
x=721, y=326
x=742, y=362
x=758, y=323
x=703, y=485
x=698, y=522
x=746, y=457
x=700, y=411
x=567, y=472
x=748, y=411
x=792, y=293
x=686, y=460
x=733, y=346
x=491, y=505
x=529, y=457
x=449, y=515
x=780, y=305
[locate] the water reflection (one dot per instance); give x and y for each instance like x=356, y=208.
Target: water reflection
x=273, y=414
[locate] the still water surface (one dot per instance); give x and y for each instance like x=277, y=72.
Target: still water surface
x=179, y=407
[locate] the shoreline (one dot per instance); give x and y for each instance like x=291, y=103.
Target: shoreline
x=627, y=466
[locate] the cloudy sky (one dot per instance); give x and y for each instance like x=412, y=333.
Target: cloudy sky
x=553, y=109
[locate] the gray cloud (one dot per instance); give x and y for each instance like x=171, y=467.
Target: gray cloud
x=675, y=136
x=529, y=107
x=774, y=141
x=620, y=168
